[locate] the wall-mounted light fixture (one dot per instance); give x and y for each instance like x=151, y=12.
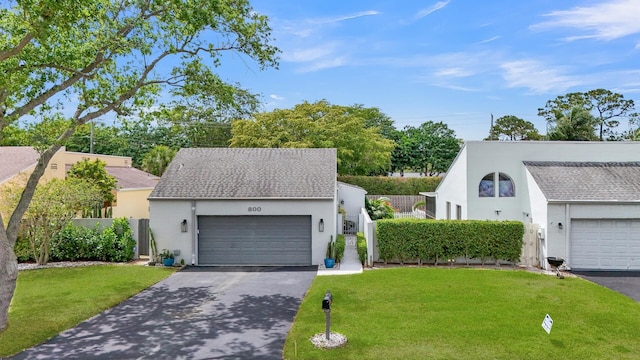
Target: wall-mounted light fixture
x=183, y=225
x=341, y=202
x=560, y=226
x=321, y=225
x=498, y=212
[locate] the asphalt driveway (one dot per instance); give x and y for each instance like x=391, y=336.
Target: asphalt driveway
x=624, y=282
x=197, y=313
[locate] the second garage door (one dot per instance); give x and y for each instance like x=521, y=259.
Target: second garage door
x=254, y=240
x=605, y=244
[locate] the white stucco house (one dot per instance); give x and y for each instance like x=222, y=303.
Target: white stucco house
x=585, y=196
x=238, y=206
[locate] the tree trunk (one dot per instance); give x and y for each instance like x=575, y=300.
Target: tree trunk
x=8, y=277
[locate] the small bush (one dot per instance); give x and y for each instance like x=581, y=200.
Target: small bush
x=361, y=246
x=341, y=244
x=114, y=244
x=22, y=249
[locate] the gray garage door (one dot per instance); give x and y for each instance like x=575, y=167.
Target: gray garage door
x=254, y=240
x=605, y=244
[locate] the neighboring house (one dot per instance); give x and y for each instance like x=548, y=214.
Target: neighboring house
x=585, y=196
x=238, y=206
x=132, y=188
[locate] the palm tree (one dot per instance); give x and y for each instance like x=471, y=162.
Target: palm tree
x=157, y=159
x=576, y=125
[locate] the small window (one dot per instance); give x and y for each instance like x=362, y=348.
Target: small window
x=448, y=210
x=506, y=186
x=54, y=166
x=458, y=212
x=486, y=186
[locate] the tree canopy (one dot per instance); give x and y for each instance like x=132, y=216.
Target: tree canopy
x=605, y=106
x=80, y=60
x=513, y=128
x=361, y=150
x=429, y=148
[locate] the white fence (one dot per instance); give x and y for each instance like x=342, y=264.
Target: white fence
x=415, y=214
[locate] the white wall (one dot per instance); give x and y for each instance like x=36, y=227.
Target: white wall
x=352, y=196
x=453, y=188
x=166, y=216
x=483, y=157
x=558, y=240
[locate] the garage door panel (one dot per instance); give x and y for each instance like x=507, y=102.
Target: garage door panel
x=254, y=240
x=609, y=244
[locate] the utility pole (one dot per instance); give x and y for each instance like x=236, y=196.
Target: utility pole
x=491, y=129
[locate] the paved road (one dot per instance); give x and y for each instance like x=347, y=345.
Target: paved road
x=197, y=313
x=625, y=282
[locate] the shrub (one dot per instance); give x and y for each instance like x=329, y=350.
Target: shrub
x=22, y=249
x=391, y=185
x=74, y=243
x=341, y=244
x=361, y=246
x=115, y=243
x=442, y=240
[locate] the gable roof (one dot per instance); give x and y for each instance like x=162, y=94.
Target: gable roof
x=130, y=178
x=587, y=181
x=227, y=173
x=15, y=159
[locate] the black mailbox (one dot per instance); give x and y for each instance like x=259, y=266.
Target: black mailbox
x=326, y=302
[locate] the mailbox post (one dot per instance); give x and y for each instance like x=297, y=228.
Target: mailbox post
x=326, y=306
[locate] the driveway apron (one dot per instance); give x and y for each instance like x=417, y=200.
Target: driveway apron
x=196, y=313
x=624, y=282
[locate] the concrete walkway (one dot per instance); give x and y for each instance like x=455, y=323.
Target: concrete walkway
x=350, y=263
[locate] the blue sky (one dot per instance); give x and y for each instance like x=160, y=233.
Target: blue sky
x=456, y=61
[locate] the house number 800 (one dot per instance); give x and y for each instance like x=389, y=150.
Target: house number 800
x=255, y=208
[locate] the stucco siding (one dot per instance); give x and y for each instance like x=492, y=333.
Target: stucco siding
x=166, y=216
x=132, y=204
x=453, y=188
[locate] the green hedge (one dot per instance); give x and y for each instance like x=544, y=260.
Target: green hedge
x=361, y=246
x=441, y=240
x=113, y=244
x=341, y=244
x=392, y=185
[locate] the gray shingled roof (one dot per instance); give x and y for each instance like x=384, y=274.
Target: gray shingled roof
x=14, y=159
x=587, y=181
x=206, y=173
x=132, y=178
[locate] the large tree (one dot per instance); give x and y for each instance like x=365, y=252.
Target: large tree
x=81, y=60
x=431, y=147
x=361, y=149
x=513, y=128
x=605, y=106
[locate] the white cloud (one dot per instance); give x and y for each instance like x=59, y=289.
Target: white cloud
x=323, y=64
x=276, y=97
x=536, y=76
x=307, y=27
x=489, y=40
x=310, y=54
x=604, y=21
x=337, y=19
x=430, y=10
x=453, y=72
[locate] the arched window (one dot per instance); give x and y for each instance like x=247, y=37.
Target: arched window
x=505, y=186
x=486, y=188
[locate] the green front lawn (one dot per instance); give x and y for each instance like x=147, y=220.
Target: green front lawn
x=441, y=313
x=48, y=301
